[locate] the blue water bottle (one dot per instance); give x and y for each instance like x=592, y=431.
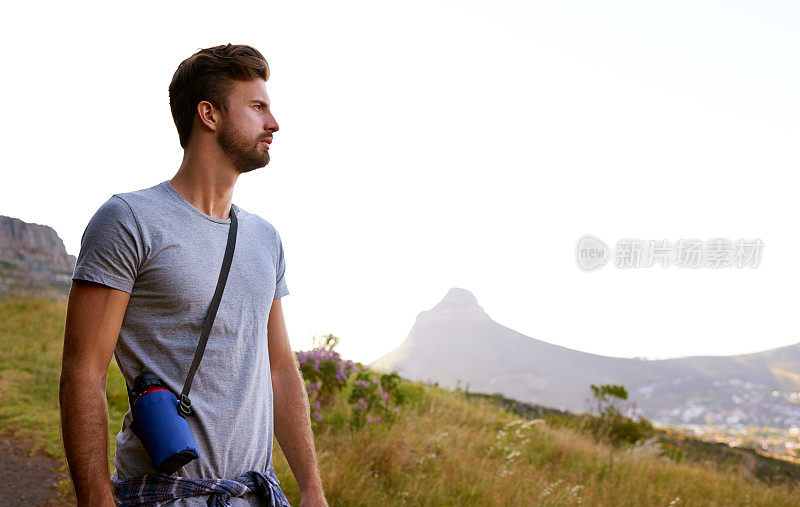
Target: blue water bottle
x=161, y=428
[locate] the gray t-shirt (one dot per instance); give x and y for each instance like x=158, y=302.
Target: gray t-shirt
x=155, y=245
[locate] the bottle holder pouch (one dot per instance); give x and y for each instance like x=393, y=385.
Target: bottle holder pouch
x=164, y=434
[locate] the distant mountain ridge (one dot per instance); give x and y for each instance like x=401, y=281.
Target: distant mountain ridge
x=33, y=259
x=457, y=340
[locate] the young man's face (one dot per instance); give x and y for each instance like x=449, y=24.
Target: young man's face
x=247, y=125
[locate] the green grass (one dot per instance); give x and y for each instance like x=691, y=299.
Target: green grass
x=31, y=341
x=446, y=448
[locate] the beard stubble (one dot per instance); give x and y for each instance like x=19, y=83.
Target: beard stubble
x=245, y=153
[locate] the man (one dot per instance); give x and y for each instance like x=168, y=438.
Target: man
x=146, y=272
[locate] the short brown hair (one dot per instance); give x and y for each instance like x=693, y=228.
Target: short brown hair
x=208, y=75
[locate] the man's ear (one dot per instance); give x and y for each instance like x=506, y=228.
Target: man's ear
x=208, y=114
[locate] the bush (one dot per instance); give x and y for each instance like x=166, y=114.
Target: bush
x=610, y=424
x=619, y=429
x=370, y=401
x=373, y=397
x=325, y=374
x=408, y=393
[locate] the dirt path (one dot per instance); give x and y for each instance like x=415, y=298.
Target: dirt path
x=27, y=479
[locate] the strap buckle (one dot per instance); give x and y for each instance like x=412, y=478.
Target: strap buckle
x=185, y=406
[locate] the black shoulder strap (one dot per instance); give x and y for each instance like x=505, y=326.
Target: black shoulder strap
x=185, y=404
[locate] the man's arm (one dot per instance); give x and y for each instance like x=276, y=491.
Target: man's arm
x=290, y=401
x=94, y=319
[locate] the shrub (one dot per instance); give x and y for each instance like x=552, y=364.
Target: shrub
x=391, y=382
x=610, y=423
x=325, y=374
x=370, y=401
x=408, y=393
x=620, y=429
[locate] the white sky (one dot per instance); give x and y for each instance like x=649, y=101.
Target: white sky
x=427, y=145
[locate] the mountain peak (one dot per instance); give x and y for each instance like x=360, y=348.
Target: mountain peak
x=458, y=298
x=457, y=302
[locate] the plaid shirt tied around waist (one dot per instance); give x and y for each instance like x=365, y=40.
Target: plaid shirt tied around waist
x=155, y=490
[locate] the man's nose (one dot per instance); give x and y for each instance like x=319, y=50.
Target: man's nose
x=271, y=124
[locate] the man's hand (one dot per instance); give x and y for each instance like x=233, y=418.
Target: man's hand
x=290, y=401
x=94, y=319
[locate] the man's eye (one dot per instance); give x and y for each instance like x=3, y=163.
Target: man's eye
x=257, y=106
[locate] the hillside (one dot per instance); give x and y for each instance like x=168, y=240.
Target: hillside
x=444, y=448
x=457, y=341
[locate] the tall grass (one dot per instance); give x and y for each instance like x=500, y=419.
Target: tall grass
x=450, y=450
x=31, y=341
x=443, y=449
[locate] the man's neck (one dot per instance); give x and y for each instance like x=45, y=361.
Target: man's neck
x=208, y=186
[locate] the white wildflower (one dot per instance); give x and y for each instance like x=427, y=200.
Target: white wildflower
x=550, y=487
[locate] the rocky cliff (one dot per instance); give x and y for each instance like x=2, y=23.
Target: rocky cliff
x=33, y=259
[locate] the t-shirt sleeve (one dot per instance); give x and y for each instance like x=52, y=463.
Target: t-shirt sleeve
x=280, y=271
x=111, y=247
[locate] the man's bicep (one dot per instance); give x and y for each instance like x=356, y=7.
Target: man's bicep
x=94, y=319
x=280, y=350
